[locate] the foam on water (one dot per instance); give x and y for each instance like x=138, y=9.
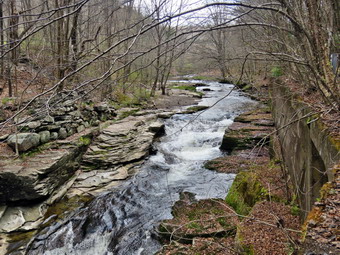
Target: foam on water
x=123, y=221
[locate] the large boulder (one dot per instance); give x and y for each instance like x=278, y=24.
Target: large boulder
x=25, y=141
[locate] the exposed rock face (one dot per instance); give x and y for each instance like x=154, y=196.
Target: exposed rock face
x=37, y=176
x=124, y=142
x=25, y=141
x=34, y=183
x=247, y=130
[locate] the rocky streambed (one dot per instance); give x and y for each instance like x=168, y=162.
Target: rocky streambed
x=117, y=214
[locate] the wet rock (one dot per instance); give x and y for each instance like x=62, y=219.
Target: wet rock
x=194, y=109
x=45, y=136
x=157, y=127
x=99, y=178
x=247, y=131
x=165, y=115
x=25, y=141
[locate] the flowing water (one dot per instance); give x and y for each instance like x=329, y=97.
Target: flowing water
x=124, y=220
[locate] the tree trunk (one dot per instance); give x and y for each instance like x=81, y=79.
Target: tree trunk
x=2, y=40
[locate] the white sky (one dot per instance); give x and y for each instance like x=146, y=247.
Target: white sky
x=175, y=6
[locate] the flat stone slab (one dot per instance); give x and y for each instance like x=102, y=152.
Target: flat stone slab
x=123, y=142
x=37, y=176
x=247, y=131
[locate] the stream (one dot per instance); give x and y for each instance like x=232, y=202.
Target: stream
x=123, y=221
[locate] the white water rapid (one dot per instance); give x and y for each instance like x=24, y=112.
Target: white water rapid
x=123, y=221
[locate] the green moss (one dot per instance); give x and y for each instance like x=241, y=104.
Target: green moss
x=196, y=108
x=211, y=165
x=128, y=113
x=326, y=189
x=236, y=140
x=196, y=226
x=6, y=100
x=242, y=248
x=223, y=222
x=85, y=140
x=35, y=151
x=295, y=210
x=245, y=191
x=62, y=207
x=20, y=236
x=247, y=87
x=276, y=71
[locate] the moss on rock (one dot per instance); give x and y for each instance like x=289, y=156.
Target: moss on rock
x=236, y=140
x=245, y=191
x=196, y=108
x=205, y=218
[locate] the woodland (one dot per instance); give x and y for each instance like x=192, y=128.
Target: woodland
x=126, y=50
x=73, y=72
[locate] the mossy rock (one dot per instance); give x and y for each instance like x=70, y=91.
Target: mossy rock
x=245, y=192
x=251, y=117
x=201, y=246
x=196, y=108
x=205, y=218
x=126, y=114
x=17, y=240
x=236, y=140
x=212, y=165
x=185, y=87
x=227, y=81
x=61, y=208
x=242, y=249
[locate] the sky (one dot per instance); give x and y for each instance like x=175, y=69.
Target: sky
x=177, y=6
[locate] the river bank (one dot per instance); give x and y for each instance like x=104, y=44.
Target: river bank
x=128, y=169
x=257, y=216
x=102, y=170
x=58, y=177
x=280, y=202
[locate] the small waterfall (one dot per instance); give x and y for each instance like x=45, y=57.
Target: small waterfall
x=123, y=221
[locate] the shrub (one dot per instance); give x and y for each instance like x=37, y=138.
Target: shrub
x=276, y=71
